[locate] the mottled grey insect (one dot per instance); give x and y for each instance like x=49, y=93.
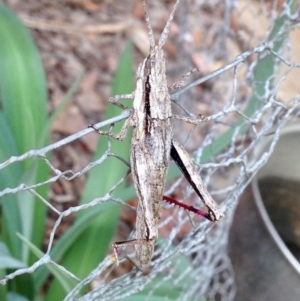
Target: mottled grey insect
x=151, y=145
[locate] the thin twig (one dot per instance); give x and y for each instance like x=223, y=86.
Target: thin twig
x=41, y=24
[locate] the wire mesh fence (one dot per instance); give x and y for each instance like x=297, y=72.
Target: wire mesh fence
x=250, y=100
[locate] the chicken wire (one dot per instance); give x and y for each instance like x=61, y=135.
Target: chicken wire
x=192, y=258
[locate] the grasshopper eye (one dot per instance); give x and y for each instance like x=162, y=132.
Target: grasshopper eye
x=150, y=63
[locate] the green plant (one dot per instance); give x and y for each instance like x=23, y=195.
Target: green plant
x=24, y=125
x=23, y=117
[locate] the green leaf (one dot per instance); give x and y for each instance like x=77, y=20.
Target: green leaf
x=9, y=178
x=3, y=289
x=12, y=296
x=6, y=259
x=24, y=105
x=65, y=280
x=62, y=105
x=23, y=97
x=22, y=82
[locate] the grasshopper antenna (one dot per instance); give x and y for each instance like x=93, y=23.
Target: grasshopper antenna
x=165, y=32
x=150, y=32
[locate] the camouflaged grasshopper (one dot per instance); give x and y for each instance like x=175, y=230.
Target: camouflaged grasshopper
x=151, y=146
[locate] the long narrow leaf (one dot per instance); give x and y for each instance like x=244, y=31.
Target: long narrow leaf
x=24, y=113
x=9, y=178
x=66, y=282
